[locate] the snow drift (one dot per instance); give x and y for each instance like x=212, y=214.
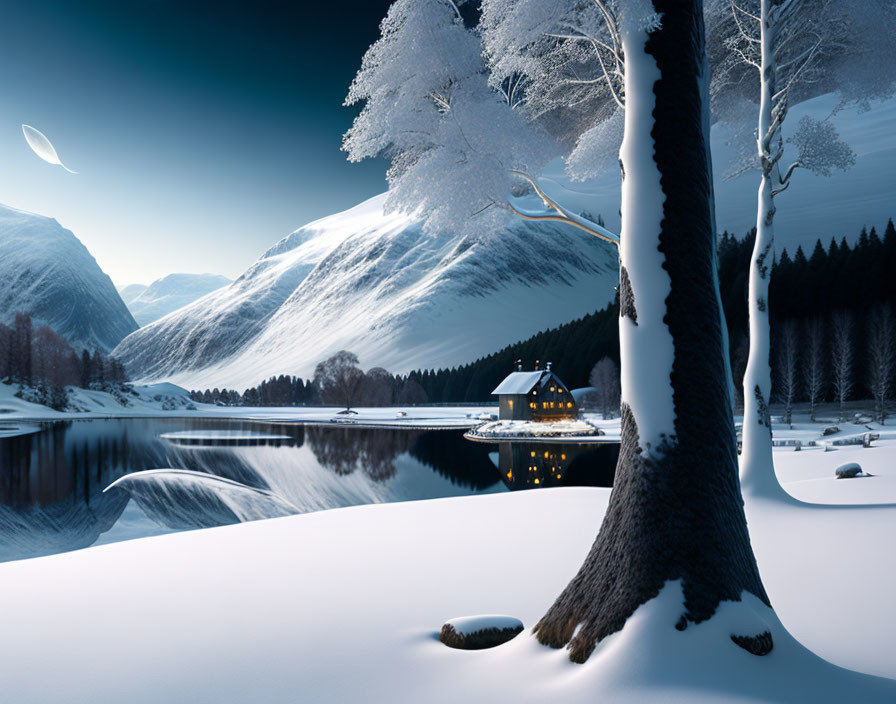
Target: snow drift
x=376, y=284
x=46, y=271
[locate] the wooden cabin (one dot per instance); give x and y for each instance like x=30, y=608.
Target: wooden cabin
x=537, y=396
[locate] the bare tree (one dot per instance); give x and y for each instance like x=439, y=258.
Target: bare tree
x=788, y=358
x=842, y=357
x=881, y=357
x=339, y=379
x=377, y=388
x=604, y=378
x=797, y=49
x=411, y=393
x=813, y=363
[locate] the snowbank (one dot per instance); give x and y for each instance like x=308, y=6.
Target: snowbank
x=346, y=606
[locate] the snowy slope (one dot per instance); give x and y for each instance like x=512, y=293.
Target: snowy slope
x=346, y=606
x=377, y=285
x=166, y=295
x=47, y=272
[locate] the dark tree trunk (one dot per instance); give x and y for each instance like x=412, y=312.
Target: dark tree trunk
x=676, y=511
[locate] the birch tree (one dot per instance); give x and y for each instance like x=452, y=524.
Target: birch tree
x=881, y=357
x=800, y=49
x=842, y=357
x=604, y=378
x=584, y=66
x=813, y=363
x=788, y=359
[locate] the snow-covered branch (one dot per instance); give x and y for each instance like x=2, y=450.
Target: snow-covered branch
x=560, y=214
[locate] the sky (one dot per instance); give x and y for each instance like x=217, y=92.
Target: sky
x=202, y=131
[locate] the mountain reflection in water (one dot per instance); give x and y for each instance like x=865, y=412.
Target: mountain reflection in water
x=52, y=482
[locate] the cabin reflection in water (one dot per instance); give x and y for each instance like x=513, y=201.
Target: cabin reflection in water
x=527, y=465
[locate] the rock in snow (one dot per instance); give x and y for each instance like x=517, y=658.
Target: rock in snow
x=849, y=470
x=376, y=284
x=479, y=632
x=46, y=271
x=166, y=295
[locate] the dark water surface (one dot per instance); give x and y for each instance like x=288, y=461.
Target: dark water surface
x=214, y=472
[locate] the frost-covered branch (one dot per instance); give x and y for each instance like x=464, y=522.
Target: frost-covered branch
x=560, y=214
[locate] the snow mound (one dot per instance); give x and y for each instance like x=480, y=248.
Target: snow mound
x=289, y=586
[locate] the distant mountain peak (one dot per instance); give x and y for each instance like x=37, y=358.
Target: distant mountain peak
x=168, y=294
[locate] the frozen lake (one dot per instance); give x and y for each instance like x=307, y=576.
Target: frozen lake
x=213, y=472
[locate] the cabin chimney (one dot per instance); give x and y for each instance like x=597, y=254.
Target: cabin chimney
x=519, y=365
x=548, y=367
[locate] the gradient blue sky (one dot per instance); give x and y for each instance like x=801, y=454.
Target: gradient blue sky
x=202, y=131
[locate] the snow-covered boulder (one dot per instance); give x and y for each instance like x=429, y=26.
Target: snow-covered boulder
x=479, y=632
x=849, y=470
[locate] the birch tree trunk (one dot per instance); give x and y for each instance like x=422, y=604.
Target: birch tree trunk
x=757, y=470
x=676, y=511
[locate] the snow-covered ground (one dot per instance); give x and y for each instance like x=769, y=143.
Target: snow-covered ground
x=172, y=401
x=346, y=605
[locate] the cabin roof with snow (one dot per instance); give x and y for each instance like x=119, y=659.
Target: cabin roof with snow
x=519, y=382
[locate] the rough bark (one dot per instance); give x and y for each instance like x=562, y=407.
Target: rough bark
x=675, y=511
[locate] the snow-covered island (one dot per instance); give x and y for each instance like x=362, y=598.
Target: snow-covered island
x=572, y=430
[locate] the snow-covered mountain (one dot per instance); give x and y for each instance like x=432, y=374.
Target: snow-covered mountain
x=163, y=296
x=130, y=292
x=376, y=284
x=46, y=271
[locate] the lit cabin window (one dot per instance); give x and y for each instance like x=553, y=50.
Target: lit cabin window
x=537, y=480
x=533, y=453
x=510, y=474
x=510, y=401
x=562, y=457
x=545, y=455
x=569, y=404
x=544, y=404
x=553, y=389
x=535, y=392
x=552, y=404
